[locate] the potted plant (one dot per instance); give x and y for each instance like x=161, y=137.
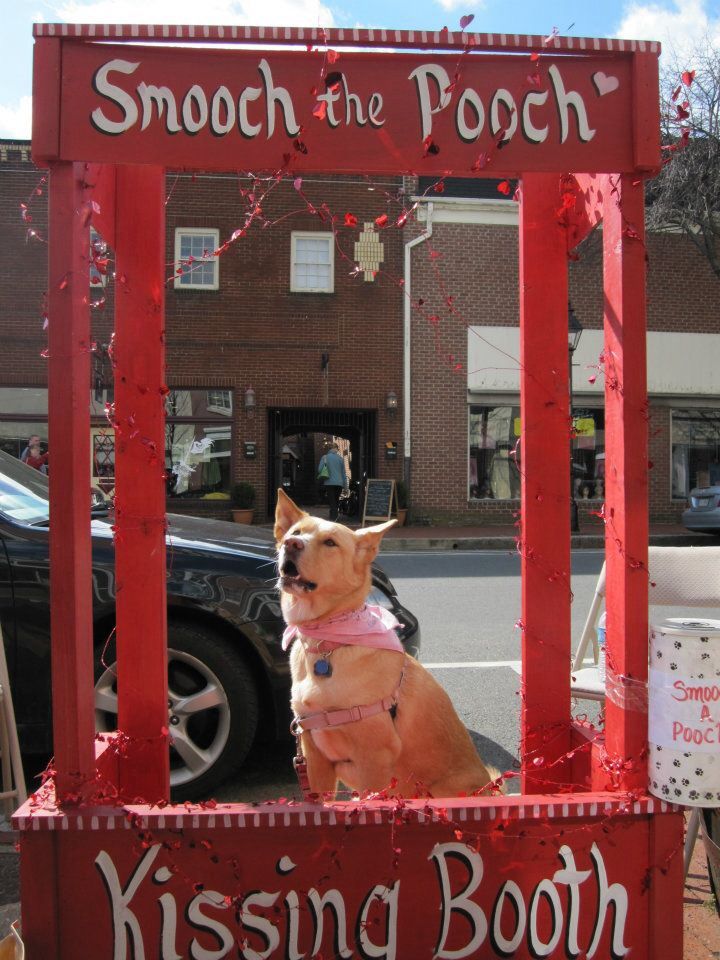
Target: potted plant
x=244, y=501
x=401, y=492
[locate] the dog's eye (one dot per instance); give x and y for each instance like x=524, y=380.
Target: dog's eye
x=329, y=542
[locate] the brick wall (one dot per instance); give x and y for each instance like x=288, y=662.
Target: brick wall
x=23, y=269
x=254, y=331
x=467, y=275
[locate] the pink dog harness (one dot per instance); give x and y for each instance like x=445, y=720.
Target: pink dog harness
x=370, y=626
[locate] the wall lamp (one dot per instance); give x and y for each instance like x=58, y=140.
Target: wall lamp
x=391, y=403
x=249, y=400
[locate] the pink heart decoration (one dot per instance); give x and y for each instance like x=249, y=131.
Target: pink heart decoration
x=604, y=84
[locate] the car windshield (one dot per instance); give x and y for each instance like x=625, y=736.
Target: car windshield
x=24, y=493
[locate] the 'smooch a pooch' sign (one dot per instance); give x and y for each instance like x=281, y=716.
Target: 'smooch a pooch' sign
x=684, y=712
x=370, y=111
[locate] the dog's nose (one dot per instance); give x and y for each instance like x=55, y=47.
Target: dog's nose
x=294, y=543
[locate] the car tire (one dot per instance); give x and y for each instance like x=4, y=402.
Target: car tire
x=215, y=739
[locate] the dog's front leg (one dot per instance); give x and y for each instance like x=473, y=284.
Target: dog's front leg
x=373, y=761
x=320, y=770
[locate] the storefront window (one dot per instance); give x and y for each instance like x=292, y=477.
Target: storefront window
x=695, y=450
x=197, y=458
x=494, y=449
x=198, y=443
x=198, y=439
x=494, y=462
x=588, y=453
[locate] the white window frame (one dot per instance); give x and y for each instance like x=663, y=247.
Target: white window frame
x=181, y=232
x=224, y=407
x=312, y=235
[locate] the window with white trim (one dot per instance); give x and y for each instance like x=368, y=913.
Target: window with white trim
x=312, y=267
x=219, y=401
x=695, y=450
x=196, y=266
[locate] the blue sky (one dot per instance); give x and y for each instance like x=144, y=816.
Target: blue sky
x=670, y=21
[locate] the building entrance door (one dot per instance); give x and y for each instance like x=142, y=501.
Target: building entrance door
x=295, y=444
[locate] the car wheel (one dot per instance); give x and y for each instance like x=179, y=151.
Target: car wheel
x=213, y=708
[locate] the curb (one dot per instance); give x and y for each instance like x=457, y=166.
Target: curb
x=579, y=542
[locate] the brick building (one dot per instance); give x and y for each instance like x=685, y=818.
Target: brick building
x=295, y=334
x=465, y=364
x=292, y=336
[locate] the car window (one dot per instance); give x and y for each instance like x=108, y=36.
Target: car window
x=23, y=492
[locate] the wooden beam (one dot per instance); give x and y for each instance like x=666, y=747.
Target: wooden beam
x=69, y=447
x=626, y=490
x=646, y=112
x=545, y=468
x=47, y=86
x=140, y=481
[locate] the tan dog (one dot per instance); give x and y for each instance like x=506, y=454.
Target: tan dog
x=413, y=744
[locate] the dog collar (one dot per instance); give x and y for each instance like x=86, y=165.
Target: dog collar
x=369, y=626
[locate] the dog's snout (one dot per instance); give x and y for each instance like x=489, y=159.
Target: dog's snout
x=294, y=544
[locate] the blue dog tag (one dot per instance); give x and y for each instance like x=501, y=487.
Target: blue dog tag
x=322, y=668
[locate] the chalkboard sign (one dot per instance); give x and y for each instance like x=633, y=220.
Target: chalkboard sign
x=379, y=498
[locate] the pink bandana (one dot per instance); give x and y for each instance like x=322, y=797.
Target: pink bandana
x=370, y=626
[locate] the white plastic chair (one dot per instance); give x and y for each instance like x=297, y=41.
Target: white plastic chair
x=679, y=577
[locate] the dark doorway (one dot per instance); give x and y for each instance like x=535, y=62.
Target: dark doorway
x=294, y=465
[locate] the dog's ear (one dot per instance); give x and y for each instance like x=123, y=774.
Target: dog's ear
x=286, y=514
x=367, y=539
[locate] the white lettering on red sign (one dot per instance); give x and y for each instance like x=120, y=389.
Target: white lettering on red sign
x=254, y=110
x=511, y=925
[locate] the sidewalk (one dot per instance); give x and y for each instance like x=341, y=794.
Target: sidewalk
x=488, y=537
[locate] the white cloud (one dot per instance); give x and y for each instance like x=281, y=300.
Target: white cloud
x=16, y=119
x=300, y=13
x=679, y=27
x=456, y=4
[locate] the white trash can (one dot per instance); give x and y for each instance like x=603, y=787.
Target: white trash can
x=684, y=712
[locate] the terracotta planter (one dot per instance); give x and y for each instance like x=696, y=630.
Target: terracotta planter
x=401, y=516
x=242, y=515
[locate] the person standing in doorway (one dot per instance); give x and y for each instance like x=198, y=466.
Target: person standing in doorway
x=331, y=471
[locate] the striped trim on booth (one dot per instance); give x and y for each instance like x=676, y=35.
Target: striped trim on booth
x=336, y=36
x=237, y=816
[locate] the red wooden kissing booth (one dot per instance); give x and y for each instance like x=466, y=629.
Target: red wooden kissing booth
x=589, y=870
